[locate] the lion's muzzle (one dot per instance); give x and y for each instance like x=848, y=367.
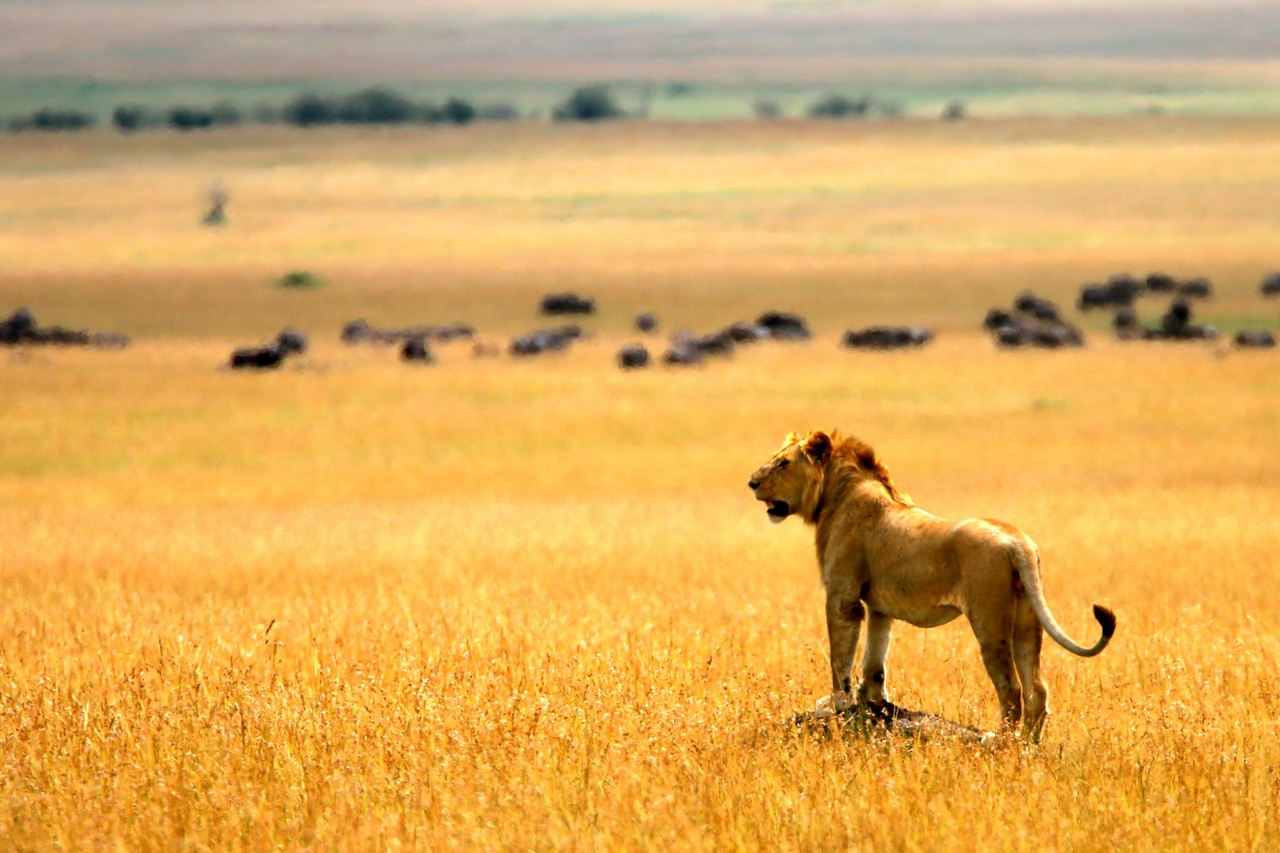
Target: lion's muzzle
x=778, y=510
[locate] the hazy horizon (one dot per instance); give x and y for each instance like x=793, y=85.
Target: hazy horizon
x=516, y=39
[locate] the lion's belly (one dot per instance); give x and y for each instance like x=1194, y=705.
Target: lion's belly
x=923, y=608
x=910, y=577
x=921, y=617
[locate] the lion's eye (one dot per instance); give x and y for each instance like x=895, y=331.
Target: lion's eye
x=783, y=463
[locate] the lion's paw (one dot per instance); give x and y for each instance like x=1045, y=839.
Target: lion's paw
x=836, y=703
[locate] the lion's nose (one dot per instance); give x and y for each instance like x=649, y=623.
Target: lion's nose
x=753, y=484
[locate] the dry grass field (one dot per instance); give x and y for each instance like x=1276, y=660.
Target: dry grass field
x=497, y=604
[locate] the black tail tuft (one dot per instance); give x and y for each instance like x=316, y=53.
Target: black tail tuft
x=1106, y=619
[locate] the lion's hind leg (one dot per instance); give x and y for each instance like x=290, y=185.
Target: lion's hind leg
x=994, y=630
x=1027, y=640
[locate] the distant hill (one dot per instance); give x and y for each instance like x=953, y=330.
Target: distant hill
x=574, y=39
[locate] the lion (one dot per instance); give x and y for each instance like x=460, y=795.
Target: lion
x=883, y=558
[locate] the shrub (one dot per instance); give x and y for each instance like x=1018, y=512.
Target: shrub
x=589, y=103
x=310, y=109
x=838, y=106
x=458, y=111
x=130, y=117
x=299, y=280
x=52, y=119
x=375, y=106
x=190, y=118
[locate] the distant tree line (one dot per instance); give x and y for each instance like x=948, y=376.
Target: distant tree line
x=49, y=118
x=865, y=106
x=375, y=105
x=379, y=105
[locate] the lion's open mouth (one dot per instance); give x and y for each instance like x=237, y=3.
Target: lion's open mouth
x=778, y=510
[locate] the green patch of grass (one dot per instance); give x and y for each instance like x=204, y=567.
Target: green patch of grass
x=300, y=280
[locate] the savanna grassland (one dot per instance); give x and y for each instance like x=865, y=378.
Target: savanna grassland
x=490, y=603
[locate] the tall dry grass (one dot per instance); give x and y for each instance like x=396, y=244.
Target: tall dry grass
x=499, y=604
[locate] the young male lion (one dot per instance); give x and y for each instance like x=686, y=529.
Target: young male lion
x=883, y=558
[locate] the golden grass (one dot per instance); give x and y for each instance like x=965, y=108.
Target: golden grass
x=497, y=604
x=704, y=222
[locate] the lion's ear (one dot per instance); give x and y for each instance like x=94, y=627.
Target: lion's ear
x=818, y=446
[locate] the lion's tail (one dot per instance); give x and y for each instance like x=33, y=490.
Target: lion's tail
x=1030, y=576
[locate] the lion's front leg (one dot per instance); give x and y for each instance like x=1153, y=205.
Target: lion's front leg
x=879, y=634
x=844, y=619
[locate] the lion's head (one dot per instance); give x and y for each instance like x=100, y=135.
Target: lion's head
x=791, y=481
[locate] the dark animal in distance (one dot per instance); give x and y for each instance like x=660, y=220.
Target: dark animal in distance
x=784, y=326
x=21, y=328
x=359, y=331
x=723, y=342
x=1195, y=288
x=714, y=343
x=545, y=340
x=1176, y=325
x=1118, y=291
x=633, y=357
x=887, y=337
x=746, y=333
x=1033, y=322
x=567, y=303
x=1122, y=289
x=288, y=342
x=258, y=358
x=1125, y=322
x=1255, y=338
x=292, y=341
x=18, y=327
x=417, y=350
x=682, y=354
x=1038, y=307
x=646, y=323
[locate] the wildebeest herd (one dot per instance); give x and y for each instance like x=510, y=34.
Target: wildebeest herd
x=414, y=341
x=1034, y=321
x=21, y=327
x=1120, y=293
x=1030, y=321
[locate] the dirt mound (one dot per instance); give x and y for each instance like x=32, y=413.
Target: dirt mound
x=868, y=720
